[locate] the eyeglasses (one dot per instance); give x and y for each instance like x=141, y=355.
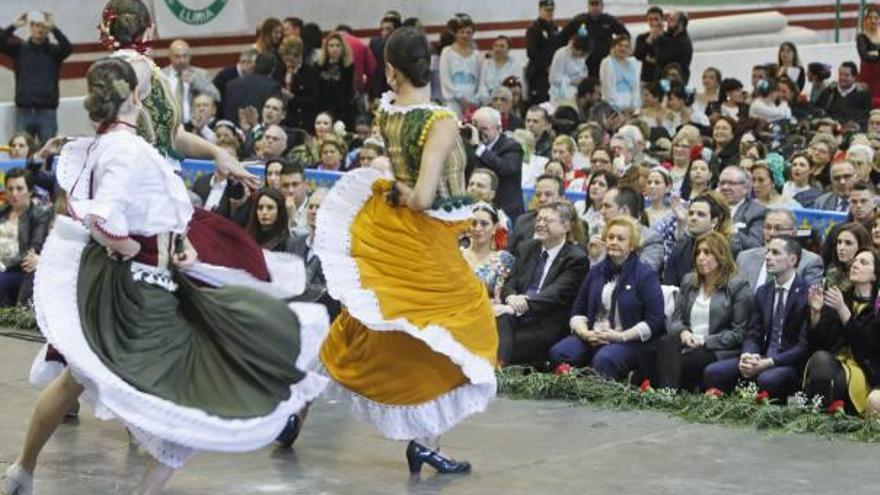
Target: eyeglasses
x=778, y=228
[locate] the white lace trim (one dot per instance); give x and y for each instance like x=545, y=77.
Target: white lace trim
x=153, y=277
x=387, y=105
x=287, y=273
x=333, y=246
x=71, y=162
x=430, y=419
x=55, y=301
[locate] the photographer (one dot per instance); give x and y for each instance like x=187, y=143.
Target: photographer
x=500, y=154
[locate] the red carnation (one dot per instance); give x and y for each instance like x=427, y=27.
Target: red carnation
x=762, y=396
x=714, y=392
x=645, y=386
x=836, y=407
x=563, y=369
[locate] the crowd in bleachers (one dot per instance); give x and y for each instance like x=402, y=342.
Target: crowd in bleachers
x=682, y=263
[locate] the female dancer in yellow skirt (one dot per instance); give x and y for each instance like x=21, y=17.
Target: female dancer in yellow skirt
x=413, y=350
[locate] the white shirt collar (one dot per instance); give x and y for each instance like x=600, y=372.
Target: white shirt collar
x=787, y=285
x=846, y=92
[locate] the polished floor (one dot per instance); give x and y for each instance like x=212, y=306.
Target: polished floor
x=517, y=447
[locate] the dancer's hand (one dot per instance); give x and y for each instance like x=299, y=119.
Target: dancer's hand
x=124, y=249
x=231, y=167
x=187, y=257
x=399, y=194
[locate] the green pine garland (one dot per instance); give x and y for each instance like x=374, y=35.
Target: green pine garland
x=18, y=317
x=742, y=408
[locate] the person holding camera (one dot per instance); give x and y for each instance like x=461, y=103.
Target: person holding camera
x=500, y=154
x=37, y=67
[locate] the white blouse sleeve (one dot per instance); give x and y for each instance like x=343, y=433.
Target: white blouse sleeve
x=110, y=199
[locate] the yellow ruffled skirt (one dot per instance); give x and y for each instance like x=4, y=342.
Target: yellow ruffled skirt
x=414, y=348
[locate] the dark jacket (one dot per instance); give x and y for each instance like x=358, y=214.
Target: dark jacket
x=378, y=82
x=551, y=306
x=677, y=49
x=861, y=335
x=641, y=52
x=637, y=295
x=33, y=227
x=336, y=91
x=600, y=30
x=250, y=90
x=316, y=284
x=749, y=225
x=729, y=310
x=220, y=81
x=540, y=47
x=36, y=67
x=794, y=349
x=505, y=158
x=853, y=107
x=302, y=108
x=523, y=230
x=680, y=261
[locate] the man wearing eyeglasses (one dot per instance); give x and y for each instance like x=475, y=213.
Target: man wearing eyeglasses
x=539, y=293
x=843, y=177
x=752, y=265
x=746, y=215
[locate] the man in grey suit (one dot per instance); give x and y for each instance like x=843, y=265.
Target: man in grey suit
x=843, y=178
x=752, y=266
x=746, y=215
x=626, y=201
x=186, y=80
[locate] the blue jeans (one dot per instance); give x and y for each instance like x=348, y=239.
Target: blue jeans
x=613, y=361
x=41, y=123
x=10, y=285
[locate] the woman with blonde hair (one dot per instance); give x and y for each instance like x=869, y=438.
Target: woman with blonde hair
x=868, y=44
x=335, y=73
x=710, y=318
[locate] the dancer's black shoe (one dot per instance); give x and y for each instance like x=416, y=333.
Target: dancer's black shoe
x=417, y=454
x=290, y=432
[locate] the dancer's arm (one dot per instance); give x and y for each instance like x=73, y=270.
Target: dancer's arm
x=125, y=247
x=192, y=145
x=441, y=140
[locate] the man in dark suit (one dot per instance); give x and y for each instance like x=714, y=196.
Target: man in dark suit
x=316, y=284
x=706, y=213
x=746, y=215
x=549, y=189
x=775, y=345
x=541, y=288
x=502, y=155
x=221, y=196
x=251, y=90
x=245, y=66
x=540, y=47
x=843, y=178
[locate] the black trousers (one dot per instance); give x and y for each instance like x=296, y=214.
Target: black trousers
x=523, y=340
x=824, y=376
x=679, y=370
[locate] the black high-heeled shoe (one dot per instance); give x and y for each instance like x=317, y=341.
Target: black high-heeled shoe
x=290, y=432
x=417, y=454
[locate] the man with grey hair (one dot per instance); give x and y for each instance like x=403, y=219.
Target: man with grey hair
x=752, y=266
x=502, y=100
x=861, y=156
x=185, y=79
x=746, y=215
x=502, y=155
x=246, y=61
x=274, y=143
x=843, y=178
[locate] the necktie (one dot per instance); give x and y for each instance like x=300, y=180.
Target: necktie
x=179, y=93
x=778, y=321
x=537, y=275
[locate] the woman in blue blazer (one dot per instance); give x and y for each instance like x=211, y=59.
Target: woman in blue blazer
x=618, y=311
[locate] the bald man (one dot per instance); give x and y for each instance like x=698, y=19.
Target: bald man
x=185, y=80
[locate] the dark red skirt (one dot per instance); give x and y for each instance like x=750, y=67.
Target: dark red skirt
x=869, y=74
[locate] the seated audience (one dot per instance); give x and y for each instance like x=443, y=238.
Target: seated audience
x=840, y=249
x=618, y=310
x=843, y=177
x=710, y=319
x=706, y=213
x=293, y=185
x=747, y=216
x=548, y=190
x=490, y=263
x=775, y=346
x=845, y=335
x=303, y=246
x=539, y=293
x=268, y=224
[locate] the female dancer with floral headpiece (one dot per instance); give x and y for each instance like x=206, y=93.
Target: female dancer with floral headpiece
x=413, y=351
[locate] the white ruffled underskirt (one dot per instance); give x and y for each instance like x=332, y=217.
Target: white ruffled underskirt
x=333, y=245
x=168, y=431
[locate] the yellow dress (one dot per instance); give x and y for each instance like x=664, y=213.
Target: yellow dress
x=414, y=348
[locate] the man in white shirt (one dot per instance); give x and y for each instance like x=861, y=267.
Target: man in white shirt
x=296, y=197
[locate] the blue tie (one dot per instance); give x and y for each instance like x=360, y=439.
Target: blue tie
x=776, y=326
x=535, y=284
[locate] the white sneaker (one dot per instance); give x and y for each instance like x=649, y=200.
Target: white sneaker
x=16, y=481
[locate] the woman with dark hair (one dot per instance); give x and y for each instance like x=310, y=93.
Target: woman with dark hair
x=710, y=318
x=732, y=101
x=652, y=111
x=568, y=68
x=766, y=105
x=268, y=224
x=678, y=111
x=725, y=145
x=269, y=36
x=335, y=73
x=162, y=355
x=595, y=187
x=491, y=264
x=23, y=230
x=413, y=308
x=798, y=186
x=497, y=67
x=839, y=251
x=819, y=76
x=21, y=146
x=845, y=330
x=868, y=44
x=460, y=66
x=711, y=91
x=789, y=65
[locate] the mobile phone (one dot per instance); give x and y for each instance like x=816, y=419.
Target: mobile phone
x=236, y=190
